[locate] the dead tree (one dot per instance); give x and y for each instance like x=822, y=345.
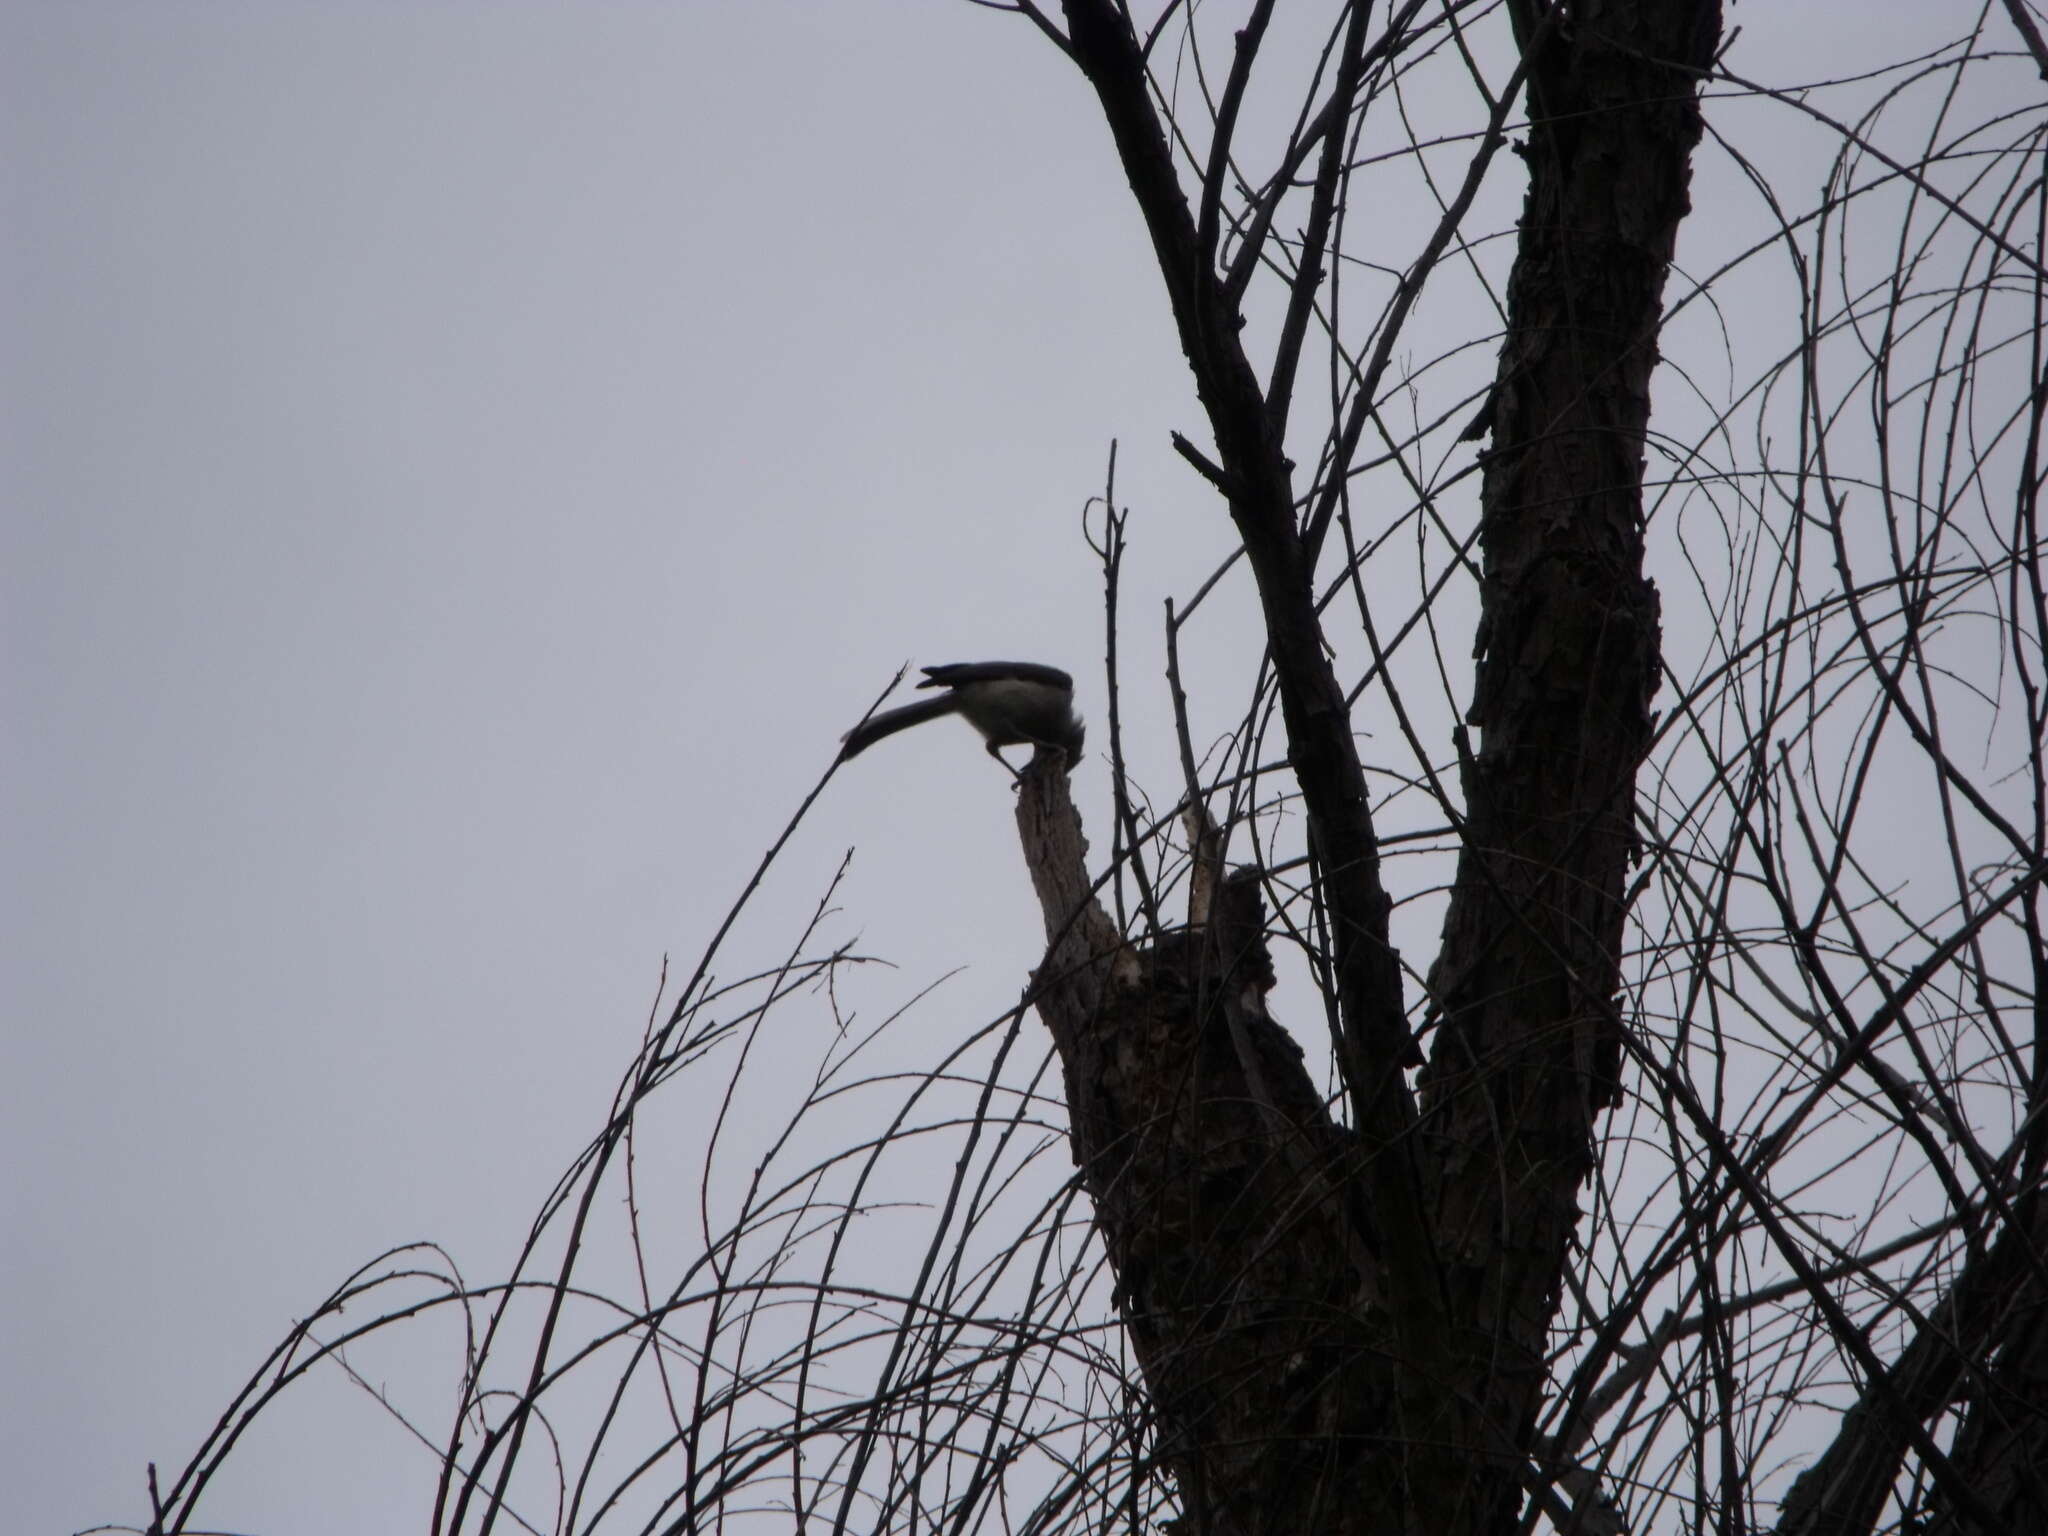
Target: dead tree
x=1411, y=1401
x=1695, y=1180
x=1347, y=1322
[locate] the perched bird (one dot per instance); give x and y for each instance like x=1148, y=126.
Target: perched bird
x=1012, y=704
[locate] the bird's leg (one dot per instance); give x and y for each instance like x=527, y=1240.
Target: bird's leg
x=996, y=752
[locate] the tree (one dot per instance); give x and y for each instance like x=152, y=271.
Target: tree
x=1696, y=1178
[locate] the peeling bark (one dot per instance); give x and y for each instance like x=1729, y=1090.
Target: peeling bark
x=1288, y=1400
x=1525, y=982
x=1247, y=1268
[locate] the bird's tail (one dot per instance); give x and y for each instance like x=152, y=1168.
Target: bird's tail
x=890, y=721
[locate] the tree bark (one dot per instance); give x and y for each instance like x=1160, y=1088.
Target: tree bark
x=1986, y=1345
x=1299, y=1386
x=1525, y=982
x=1247, y=1270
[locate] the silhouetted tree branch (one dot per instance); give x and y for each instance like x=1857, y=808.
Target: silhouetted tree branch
x=1696, y=715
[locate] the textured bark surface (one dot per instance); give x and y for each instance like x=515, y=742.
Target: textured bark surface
x=2001, y=1452
x=1372, y=1042
x=1300, y=1388
x=1526, y=979
x=1229, y=1202
x=1996, y=1311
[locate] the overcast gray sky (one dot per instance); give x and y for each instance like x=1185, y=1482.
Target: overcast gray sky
x=463, y=467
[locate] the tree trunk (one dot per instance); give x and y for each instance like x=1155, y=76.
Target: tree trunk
x=1526, y=978
x=1344, y=1330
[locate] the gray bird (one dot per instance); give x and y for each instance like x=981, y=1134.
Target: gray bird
x=1012, y=704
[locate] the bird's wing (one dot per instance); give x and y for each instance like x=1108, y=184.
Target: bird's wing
x=957, y=673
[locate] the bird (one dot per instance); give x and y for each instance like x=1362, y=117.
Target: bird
x=1012, y=704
